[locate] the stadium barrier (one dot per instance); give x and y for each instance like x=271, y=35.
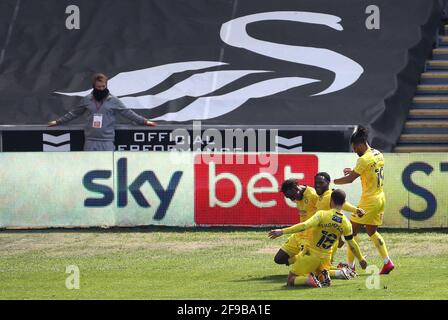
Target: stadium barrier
x=104, y=189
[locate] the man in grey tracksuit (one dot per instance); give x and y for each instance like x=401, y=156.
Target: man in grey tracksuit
x=101, y=107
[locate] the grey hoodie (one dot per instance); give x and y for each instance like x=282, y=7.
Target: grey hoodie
x=108, y=109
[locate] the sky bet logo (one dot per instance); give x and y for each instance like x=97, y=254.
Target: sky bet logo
x=229, y=194
x=429, y=196
x=127, y=189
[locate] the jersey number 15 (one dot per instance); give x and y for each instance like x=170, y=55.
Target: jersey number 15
x=380, y=176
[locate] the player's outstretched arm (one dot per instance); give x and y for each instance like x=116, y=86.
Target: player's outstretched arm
x=310, y=223
x=351, y=208
x=71, y=115
x=273, y=234
x=347, y=206
x=352, y=176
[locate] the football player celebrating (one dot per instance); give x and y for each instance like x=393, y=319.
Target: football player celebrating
x=370, y=167
x=309, y=200
x=305, y=198
x=322, y=185
x=314, y=261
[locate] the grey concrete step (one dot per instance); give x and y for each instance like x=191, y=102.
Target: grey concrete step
x=440, y=53
x=438, y=63
x=426, y=113
x=434, y=77
x=421, y=148
x=434, y=89
x=424, y=138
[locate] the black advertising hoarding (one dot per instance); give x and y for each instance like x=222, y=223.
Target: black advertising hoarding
x=40, y=140
x=222, y=140
x=224, y=62
x=230, y=141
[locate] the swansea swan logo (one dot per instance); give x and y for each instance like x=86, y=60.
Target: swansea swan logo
x=202, y=84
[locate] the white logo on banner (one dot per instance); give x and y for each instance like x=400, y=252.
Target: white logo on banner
x=234, y=33
x=56, y=140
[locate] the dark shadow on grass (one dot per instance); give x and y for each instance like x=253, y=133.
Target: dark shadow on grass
x=288, y=288
x=198, y=229
x=277, y=278
x=280, y=278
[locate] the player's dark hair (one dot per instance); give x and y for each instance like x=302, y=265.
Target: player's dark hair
x=324, y=175
x=359, y=136
x=338, y=197
x=289, y=184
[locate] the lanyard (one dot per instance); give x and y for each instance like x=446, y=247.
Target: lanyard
x=98, y=106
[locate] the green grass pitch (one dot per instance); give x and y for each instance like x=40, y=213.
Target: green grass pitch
x=165, y=263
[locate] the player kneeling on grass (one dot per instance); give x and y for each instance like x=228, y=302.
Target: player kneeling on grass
x=305, y=199
x=308, y=201
x=322, y=186
x=312, y=264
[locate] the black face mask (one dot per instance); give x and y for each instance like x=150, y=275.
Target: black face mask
x=99, y=95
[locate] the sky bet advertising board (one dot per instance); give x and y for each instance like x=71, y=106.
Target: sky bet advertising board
x=80, y=189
